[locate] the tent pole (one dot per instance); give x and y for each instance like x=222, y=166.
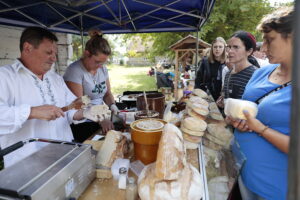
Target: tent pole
x=197, y=50
x=294, y=150
x=177, y=74
x=81, y=34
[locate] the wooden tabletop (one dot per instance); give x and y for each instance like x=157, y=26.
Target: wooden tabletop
x=108, y=188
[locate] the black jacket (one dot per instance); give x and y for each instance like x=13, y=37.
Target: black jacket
x=207, y=81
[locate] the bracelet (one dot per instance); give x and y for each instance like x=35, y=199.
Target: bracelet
x=262, y=131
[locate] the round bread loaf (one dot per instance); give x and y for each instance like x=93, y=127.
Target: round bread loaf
x=219, y=132
x=217, y=140
x=199, y=108
x=192, y=113
x=196, y=99
x=195, y=133
x=215, y=114
x=194, y=124
x=199, y=93
x=213, y=106
x=235, y=108
x=191, y=138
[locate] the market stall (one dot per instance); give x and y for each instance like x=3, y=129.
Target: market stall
x=193, y=143
x=118, y=17
x=21, y=11
x=206, y=140
x=188, y=48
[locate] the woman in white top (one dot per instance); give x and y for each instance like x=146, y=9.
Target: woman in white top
x=89, y=76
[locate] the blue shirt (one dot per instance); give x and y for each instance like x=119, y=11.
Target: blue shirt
x=265, y=170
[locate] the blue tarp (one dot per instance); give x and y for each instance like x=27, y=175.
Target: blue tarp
x=110, y=16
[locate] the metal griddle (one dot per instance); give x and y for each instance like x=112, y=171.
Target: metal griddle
x=58, y=170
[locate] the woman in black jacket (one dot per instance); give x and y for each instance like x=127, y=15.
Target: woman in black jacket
x=209, y=75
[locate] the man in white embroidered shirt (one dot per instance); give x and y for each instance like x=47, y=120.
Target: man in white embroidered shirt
x=32, y=96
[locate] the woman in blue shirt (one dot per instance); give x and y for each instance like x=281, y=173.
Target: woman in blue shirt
x=264, y=140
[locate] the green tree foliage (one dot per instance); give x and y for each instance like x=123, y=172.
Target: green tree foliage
x=229, y=16
x=162, y=42
x=157, y=44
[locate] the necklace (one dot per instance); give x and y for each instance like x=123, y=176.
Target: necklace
x=94, y=78
x=279, y=76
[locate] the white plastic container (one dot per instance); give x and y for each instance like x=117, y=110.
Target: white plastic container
x=235, y=107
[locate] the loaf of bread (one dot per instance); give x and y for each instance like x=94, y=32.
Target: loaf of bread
x=219, y=131
x=198, y=100
x=97, y=113
x=85, y=100
x=213, y=106
x=194, y=124
x=170, y=177
x=168, y=165
x=224, y=144
x=195, y=133
x=235, y=107
x=191, y=138
x=215, y=114
x=192, y=113
x=198, y=108
x=112, y=148
x=199, y=93
x=223, y=135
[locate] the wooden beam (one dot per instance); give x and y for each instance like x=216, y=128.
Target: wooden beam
x=177, y=74
x=188, y=50
x=183, y=55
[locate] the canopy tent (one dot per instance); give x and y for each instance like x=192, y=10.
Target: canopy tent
x=133, y=16
x=110, y=16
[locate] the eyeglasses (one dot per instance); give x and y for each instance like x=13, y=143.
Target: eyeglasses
x=233, y=48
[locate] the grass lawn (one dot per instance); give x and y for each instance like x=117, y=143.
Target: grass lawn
x=124, y=78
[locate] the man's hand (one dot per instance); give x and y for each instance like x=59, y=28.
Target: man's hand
x=106, y=125
x=46, y=112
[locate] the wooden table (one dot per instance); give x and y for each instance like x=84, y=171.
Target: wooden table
x=108, y=189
